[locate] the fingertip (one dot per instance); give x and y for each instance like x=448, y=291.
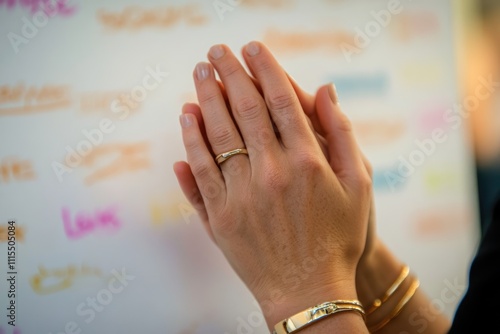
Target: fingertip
x=332, y=92
x=179, y=166
x=187, y=120
x=323, y=99
x=190, y=108
x=253, y=48
x=216, y=51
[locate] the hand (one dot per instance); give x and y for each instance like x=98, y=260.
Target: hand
x=317, y=107
x=267, y=211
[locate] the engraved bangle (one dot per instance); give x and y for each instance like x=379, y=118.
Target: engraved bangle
x=379, y=301
x=315, y=313
x=399, y=307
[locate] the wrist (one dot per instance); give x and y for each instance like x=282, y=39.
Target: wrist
x=376, y=273
x=283, y=304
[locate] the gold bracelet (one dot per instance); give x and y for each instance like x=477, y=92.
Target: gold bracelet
x=315, y=313
x=379, y=301
x=399, y=307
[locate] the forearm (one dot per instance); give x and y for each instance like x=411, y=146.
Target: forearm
x=375, y=276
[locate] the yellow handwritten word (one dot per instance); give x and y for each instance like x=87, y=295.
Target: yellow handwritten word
x=421, y=74
x=136, y=17
x=60, y=279
x=14, y=169
x=21, y=99
x=378, y=132
x=171, y=207
x=127, y=158
x=4, y=229
x=441, y=180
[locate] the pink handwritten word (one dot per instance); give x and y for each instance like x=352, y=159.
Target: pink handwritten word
x=14, y=331
x=85, y=224
x=50, y=7
x=432, y=118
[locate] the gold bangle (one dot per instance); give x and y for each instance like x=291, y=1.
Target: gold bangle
x=399, y=307
x=315, y=313
x=379, y=301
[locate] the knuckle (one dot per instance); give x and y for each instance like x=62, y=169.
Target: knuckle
x=369, y=169
x=308, y=162
x=275, y=179
x=262, y=65
x=281, y=100
x=344, y=123
x=191, y=143
x=208, y=98
x=225, y=226
x=248, y=108
x=229, y=68
x=365, y=182
x=222, y=136
x=201, y=170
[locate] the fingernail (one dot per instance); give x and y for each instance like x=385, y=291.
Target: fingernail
x=185, y=120
x=332, y=91
x=253, y=49
x=202, y=71
x=216, y=51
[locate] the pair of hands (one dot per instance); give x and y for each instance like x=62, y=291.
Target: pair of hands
x=292, y=216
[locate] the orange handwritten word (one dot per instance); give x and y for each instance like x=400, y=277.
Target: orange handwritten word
x=135, y=17
x=410, y=25
x=97, y=102
x=60, y=279
x=118, y=159
x=294, y=41
x=21, y=99
x=14, y=169
x=4, y=229
x=267, y=3
x=379, y=132
x=444, y=221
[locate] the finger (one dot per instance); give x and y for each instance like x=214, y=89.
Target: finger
x=247, y=105
x=206, y=173
x=220, y=128
x=307, y=101
x=194, y=109
x=279, y=95
x=345, y=157
x=190, y=189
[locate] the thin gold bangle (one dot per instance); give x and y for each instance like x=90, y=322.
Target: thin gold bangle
x=379, y=301
x=406, y=298
x=316, y=313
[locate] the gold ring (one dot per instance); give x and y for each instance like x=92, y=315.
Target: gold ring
x=226, y=155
